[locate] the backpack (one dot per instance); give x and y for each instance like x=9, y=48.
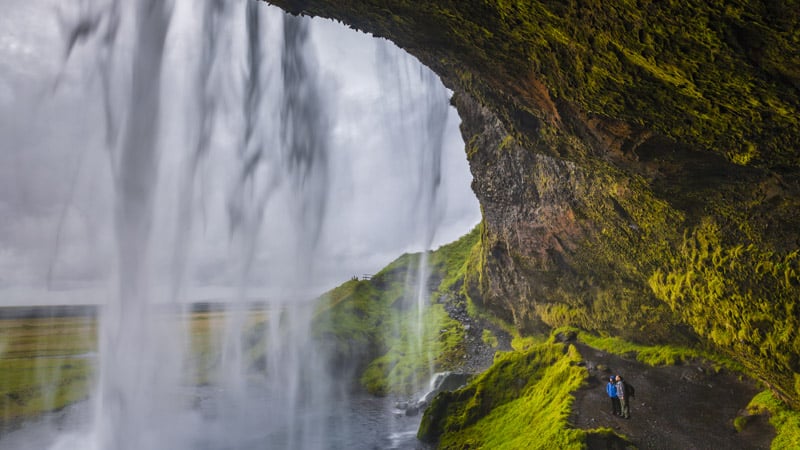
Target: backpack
x=629, y=390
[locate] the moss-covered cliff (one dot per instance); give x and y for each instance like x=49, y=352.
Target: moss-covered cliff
x=636, y=161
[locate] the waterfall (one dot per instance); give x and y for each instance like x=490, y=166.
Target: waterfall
x=234, y=180
x=421, y=133
x=127, y=343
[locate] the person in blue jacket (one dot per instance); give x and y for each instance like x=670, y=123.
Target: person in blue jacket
x=611, y=389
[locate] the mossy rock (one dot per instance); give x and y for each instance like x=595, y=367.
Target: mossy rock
x=522, y=401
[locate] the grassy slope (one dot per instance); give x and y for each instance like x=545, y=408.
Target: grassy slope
x=371, y=324
x=522, y=401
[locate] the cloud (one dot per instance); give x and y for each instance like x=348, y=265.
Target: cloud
x=57, y=194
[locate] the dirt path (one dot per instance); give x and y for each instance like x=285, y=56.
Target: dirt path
x=682, y=407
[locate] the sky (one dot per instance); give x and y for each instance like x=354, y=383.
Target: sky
x=57, y=191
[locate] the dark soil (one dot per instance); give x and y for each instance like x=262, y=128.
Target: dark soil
x=686, y=407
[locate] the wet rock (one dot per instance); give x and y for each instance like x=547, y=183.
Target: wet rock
x=568, y=336
x=445, y=381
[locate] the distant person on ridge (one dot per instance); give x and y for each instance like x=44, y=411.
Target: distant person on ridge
x=611, y=389
x=622, y=393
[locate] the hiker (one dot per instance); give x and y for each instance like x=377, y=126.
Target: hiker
x=624, y=397
x=611, y=389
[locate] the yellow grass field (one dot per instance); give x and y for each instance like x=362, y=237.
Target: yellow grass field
x=47, y=363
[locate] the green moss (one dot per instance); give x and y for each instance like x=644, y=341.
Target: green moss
x=633, y=230
x=507, y=142
x=679, y=67
x=741, y=422
x=489, y=338
x=659, y=355
x=743, y=299
x=785, y=420
x=522, y=401
x=797, y=384
x=652, y=355
x=522, y=343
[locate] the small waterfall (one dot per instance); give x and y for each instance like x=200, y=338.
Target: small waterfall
x=220, y=110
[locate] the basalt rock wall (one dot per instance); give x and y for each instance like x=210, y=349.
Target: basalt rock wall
x=636, y=162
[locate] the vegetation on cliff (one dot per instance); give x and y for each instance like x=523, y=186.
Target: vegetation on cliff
x=785, y=420
x=744, y=299
x=370, y=326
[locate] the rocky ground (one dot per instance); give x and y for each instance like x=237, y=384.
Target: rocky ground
x=479, y=355
x=685, y=407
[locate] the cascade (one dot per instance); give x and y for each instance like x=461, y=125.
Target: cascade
x=234, y=170
x=422, y=134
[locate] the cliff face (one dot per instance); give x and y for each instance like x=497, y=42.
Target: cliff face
x=637, y=163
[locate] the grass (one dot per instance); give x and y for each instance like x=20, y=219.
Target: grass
x=48, y=363
x=31, y=386
x=44, y=364
x=652, y=355
x=489, y=338
x=52, y=336
x=522, y=401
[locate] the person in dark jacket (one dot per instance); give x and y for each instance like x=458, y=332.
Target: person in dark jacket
x=623, y=398
x=611, y=390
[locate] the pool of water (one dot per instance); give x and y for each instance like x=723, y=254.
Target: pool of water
x=213, y=422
